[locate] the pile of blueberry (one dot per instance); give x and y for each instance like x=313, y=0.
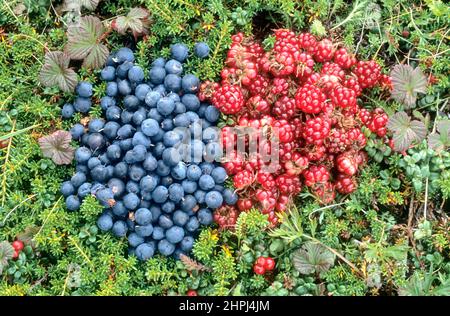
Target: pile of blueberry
x=152, y=162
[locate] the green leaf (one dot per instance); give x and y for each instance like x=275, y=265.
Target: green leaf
x=313, y=257
x=407, y=83
x=56, y=72
x=90, y=5
x=440, y=139
x=6, y=254
x=57, y=147
x=136, y=20
x=405, y=130
x=84, y=42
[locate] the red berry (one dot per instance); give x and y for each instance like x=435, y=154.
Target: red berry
x=324, y=51
x=269, y=264
x=260, y=261
x=296, y=164
x=18, y=245
x=324, y=192
x=356, y=138
x=343, y=97
x=310, y=99
x=228, y=99
x=242, y=179
x=256, y=105
x=266, y=180
x=226, y=216
x=337, y=141
x=351, y=82
x=259, y=269
x=308, y=42
x=344, y=58
x=346, y=163
x=283, y=130
x=192, y=293
x=16, y=254
x=333, y=69
x=303, y=65
x=316, y=174
x=368, y=73
x=284, y=108
x=288, y=184
x=267, y=199
x=316, y=130
x=345, y=184
x=207, y=89
x=365, y=116
x=244, y=204
x=259, y=85
x=233, y=163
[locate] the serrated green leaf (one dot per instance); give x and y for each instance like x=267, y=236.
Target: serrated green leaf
x=405, y=130
x=407, y=82
x=56, y=72
x=84, y=42
x=313, y=257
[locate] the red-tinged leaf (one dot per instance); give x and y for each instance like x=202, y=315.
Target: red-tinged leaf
x=6, y=254
x=405, y=130
x=77, y=5
x=56, y=72
x=57, y=147
x=407, y=82
x=84, y=42
x=440, y=139
x=136, y=21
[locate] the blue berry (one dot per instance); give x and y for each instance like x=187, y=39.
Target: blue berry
x=205, y=216
x=72, y=203
x=213, y=199
x=84, y=89
x=173, y=67
x=157, y=75
x=172, y=82
x=120, y=228
x=201, y=50
x=179, y=52
x=67, y=188
x=67, y=111
x=144, y=230
x=190, y=83
x=135, y=240
x=136, y=74
x=108, y=73
x=206, y=182
x=82, y=105
x=124, y=54
x=160, y=194
x=165, y=247
x=175, y=234
x=187, y=243
x=145, y=251
x=77, y=131
x=143, y=216
x=105, y=222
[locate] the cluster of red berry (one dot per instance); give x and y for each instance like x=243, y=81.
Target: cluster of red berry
x=263, y=265
x=18, y=247
x=307, y=90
